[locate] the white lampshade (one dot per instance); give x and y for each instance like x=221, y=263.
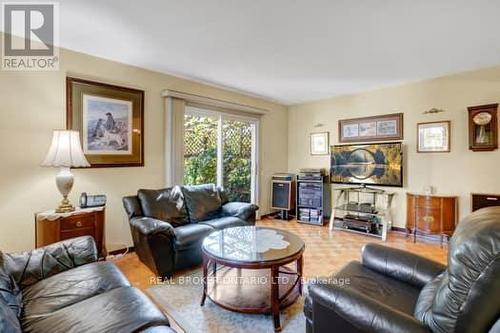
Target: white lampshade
x=65, y=150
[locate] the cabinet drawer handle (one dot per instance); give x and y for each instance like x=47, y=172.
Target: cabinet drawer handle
x=491, y=199
x=428, y=219
x=78, y=224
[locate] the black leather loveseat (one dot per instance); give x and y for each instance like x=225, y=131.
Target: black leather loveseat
x=62, y=288
x=395, y=291
x=168, y=225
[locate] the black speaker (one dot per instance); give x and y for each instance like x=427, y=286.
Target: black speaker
x=283, y=194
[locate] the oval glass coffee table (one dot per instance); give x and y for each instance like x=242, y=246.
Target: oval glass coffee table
x=244, y=270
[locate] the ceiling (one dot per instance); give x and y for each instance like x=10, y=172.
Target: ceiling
x=290, y=51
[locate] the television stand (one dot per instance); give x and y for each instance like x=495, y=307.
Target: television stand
x=362, y=209
x=363, y=187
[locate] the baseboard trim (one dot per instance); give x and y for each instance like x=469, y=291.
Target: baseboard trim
x=265, y=216
x=430, y=238
x=121, y=251
x=272, y=215
x=268, y=216
x=399, y=229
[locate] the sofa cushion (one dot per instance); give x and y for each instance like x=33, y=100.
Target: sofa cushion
x=225, y=222
x=27, y=268
x=9, y=323
x=10, y=294
x=203, y=202
x=166, y=204
x=69, y=287
x=124, y=309
x=191, y=234
x=381, y=288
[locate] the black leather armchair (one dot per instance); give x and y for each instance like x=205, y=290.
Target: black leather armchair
x=62, y=287
x=395, y=291
x=168, y=225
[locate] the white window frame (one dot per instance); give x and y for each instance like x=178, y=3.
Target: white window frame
x=221, y=116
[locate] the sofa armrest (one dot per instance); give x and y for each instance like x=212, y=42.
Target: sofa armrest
x=243, y=210
x=154, y=244
x=149, y=226
x=362, y=312
x=132, y=206
x=401, y=265
x=30, y=267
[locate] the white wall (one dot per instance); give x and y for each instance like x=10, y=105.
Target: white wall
x=33, y=104
x=459, y=172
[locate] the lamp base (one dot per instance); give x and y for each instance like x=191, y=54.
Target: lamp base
x=64, y=181
x=65, y=206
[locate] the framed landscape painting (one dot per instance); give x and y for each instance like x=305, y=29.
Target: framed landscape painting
x=378, y=128
x=110, y=121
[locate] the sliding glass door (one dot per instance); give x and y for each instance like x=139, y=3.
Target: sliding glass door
x=237, y=139
x=221, y=148
x=200, y=149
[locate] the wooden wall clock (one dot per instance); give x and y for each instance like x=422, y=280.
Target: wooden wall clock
x=483, y=127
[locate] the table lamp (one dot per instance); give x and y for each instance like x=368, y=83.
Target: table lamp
x=65, y=152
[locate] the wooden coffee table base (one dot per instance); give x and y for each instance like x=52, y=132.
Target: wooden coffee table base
x=251, y=290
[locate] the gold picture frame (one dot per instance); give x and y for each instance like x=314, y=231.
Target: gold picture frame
x=434, y=137
x=110, y=120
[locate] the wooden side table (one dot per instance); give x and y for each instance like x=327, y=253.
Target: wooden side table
x=51, y=227
x=431, y=214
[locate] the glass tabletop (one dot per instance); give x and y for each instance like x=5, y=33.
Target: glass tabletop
x=252, y=244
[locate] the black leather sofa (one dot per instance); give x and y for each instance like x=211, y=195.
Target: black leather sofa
x=62, y=288
x=168, y=225
x=395, y=291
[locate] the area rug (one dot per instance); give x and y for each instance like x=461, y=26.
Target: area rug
x=181, y=296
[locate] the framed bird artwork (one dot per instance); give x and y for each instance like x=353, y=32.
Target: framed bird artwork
x=110, y=120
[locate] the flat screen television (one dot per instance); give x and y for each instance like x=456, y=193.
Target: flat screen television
x=378, y=164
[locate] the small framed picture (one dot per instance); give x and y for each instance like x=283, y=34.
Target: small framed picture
x=320, y=143
x=387, y=127
x=433, y=137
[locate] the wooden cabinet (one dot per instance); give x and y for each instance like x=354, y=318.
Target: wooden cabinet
x=431, y=215
x=52, y=227
x=480, y=200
